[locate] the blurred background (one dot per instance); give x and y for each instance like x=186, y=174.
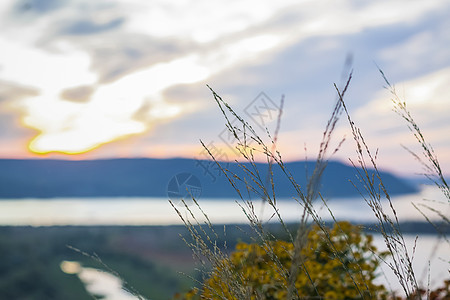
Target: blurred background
x=103, y=103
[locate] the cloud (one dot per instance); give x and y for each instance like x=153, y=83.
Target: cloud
x=37, y=7
x=116, y=56
x=12, y=92
x=87, y=27
x=427, y=98
x=10, y=95
x=422, y=49
x=78, y=94
x=43, y=70
x=427, y=95
x=203, y=22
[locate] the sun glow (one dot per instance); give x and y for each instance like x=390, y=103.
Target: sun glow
x=131, y=105
x=72, y=130
x=84, y=139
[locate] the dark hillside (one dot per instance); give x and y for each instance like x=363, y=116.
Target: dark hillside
x=149, y=178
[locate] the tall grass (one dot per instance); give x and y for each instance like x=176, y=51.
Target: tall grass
x=427, y=158
x=251, y=145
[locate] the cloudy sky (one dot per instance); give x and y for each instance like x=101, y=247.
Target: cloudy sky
x=127, y=78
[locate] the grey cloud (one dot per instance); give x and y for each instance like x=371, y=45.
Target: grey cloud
x=78, y=94
x=64, y=17
x=114, y=53
x=205, y=122
x=116, y=56
x=309, y=65
x=182, y=93
x=304, y=72
x=9, y=129
x=87, y=26
x=423, y=49
x=32, y=9
x=12, y=92
x=188, y=129
x=37, y=6
x=142, y=113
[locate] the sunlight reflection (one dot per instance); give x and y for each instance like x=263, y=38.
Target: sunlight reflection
x=98, y=283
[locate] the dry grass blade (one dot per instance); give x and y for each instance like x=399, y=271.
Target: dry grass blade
x=389, y=228
x=429, y=161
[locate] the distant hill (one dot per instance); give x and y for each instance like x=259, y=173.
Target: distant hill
x=143, y=177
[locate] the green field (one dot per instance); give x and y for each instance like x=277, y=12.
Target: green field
x=154, y=260
x=149, y=258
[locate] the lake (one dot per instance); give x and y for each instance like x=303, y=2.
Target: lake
x=158, y=211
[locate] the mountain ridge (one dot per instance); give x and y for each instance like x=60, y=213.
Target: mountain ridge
x=150, y=177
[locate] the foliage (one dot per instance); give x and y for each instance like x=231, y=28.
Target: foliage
x=337, y=270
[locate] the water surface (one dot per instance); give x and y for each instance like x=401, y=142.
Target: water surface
x=158, y=211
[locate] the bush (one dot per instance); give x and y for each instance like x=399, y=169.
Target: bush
x=340, y=266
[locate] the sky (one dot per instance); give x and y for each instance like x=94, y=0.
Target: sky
x=127, y=78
